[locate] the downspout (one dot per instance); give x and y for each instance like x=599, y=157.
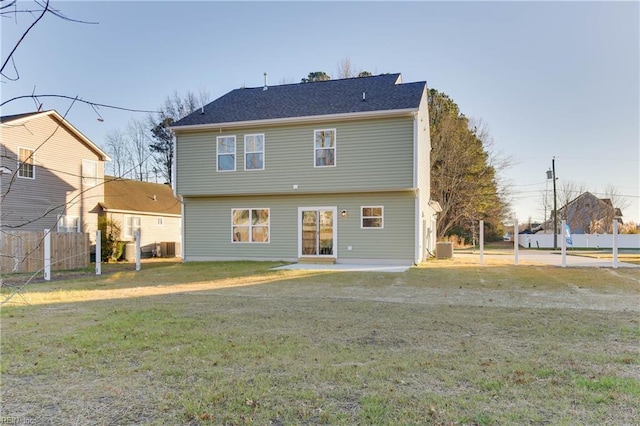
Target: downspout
x=182, y=230
x=416, y=215
x=174, y=166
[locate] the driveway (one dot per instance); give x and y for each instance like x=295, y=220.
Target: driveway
x=547, y=258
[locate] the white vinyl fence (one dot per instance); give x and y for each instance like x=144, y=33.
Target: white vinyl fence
x=595, y=241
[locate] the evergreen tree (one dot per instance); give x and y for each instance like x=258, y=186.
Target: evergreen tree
x=463, y=180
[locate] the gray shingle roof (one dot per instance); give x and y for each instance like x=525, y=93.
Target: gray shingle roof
x=382, y=93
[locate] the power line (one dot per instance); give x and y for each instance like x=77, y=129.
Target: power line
x=76, y=99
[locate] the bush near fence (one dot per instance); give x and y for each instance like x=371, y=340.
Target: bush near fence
x=23, y=251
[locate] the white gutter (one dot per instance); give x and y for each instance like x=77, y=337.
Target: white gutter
x=294, y=120
x=174, y=173
x=416, y=214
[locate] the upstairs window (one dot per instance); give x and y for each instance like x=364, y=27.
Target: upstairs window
x=89, y=173
x=254, y=152
x=325, y=148
x=372, y=217
x=68, y=223
x=226, y=149
x=250, y=225
x=26, y=163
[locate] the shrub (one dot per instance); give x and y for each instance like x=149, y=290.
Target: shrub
x=112, y=247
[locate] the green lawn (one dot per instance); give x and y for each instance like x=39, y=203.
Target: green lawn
x=237, y=343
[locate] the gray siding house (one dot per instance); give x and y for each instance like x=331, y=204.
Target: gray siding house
x=335, y=170
x=52, y=174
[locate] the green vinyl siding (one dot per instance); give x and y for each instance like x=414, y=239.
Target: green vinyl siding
x=371, y=155
x=207, y=226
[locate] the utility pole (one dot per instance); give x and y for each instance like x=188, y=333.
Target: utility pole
x=551, y=174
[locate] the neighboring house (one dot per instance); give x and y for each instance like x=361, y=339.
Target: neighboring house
x=335, y=170
x=53, y=176
x=150, y=208
x=588, y=214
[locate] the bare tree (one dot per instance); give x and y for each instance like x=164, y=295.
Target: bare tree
x=286, y=80
x=346, y=69
x=161, y=139
x=612, y=208
x=618, y=201
x=546, y=204
x=137, y=133
x=120, y=152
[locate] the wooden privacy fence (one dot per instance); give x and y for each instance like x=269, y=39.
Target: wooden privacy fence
x=23, y=251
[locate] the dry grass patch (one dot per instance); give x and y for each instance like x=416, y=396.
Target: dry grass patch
x=430, y=346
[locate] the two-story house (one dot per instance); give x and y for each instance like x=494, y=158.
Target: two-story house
x=52, y=174
x=588, y=214
x=335, y=170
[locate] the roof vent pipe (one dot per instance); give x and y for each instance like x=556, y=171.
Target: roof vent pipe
x=364, y=96
x=265, y=82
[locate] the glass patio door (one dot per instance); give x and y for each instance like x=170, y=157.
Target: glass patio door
x=317, y=232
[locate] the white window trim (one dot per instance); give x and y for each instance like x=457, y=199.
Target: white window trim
x=33, y=163
x=127, y=233
x=218, y=154
x=334, y=209
x=89, y=180
x=251, y=225
x=335, y=148
x=363, y=217
x=254, y=152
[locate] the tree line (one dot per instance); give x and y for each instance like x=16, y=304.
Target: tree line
x=144, y=149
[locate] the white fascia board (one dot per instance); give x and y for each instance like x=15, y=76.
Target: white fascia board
x=140, y=213
x=415, y=191
x=295, y=120
x=100, y=153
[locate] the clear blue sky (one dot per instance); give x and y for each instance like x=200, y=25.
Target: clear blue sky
x=548, y=78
